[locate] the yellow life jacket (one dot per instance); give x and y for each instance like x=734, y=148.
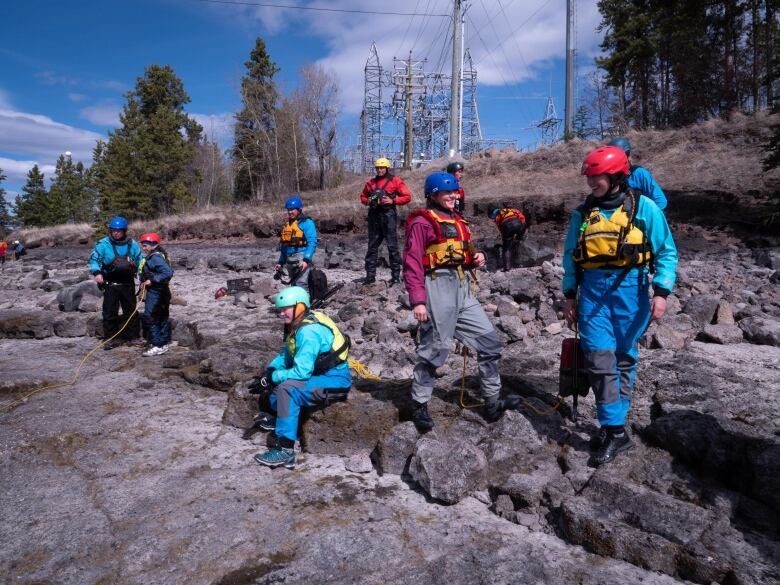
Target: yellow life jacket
x=453, y=247
x=292, y=235
x=339, y=349
x=612, y=243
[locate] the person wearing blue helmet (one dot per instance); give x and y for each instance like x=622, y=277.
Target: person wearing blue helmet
x=311, y=370
x=114, y=264
x=297, y=243
x=640, y=179
x=440, y=260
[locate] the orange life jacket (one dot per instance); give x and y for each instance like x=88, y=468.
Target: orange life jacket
x=292, y=235
x=508, y=214
x=453, y=247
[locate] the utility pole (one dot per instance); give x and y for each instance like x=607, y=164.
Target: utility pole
x=569, y=106
x=409, y=126
x=457, y=67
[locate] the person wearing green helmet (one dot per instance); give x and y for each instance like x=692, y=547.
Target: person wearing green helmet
x=311, y=370
x=640, y=179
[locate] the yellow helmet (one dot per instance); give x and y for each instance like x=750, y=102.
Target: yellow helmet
x=382, y=162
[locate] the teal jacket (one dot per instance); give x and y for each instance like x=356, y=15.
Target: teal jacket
x=311, y=340
x=310, y=232
x=103, y=254
x=643, y=181
x=651, y=220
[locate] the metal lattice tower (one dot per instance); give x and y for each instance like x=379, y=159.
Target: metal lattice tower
x=371, y=116
x=471, y=132
x=550, y=124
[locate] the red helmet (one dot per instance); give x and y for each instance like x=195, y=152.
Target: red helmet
x=221, y=292
x=150, y=237
x=609, y=160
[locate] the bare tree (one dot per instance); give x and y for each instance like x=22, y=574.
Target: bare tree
x=316, y=101
x=215, y=184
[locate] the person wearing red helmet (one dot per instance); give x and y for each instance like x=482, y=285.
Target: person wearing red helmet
x=156, y=273
x=615, y=240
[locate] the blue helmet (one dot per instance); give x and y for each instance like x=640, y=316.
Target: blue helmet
x=118, y=223
x=293, y=202
x=621, y=142
x=493, y=213
x=440, y=181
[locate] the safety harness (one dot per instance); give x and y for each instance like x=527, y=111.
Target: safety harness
x=452, y=248
x=339, y=350
x=611, y=243
x=292, y=234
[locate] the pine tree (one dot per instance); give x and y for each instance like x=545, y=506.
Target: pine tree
x=70, y=199
x=256, y=150
x=147, y=163
x=5, y=214
x=31, y=208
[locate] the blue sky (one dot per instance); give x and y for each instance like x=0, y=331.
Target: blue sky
x=66, y=65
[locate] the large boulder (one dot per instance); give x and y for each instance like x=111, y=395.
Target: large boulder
x=69, y=298
x=531, y=252
x=722, y=333
x=395, y=449
x=702, y=308
x=448, y=470
x=72, y=325
x=20, y=324
x=241, y=407
x=34, y=278
x=762, y=331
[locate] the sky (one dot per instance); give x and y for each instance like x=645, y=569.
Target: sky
x=66, y=66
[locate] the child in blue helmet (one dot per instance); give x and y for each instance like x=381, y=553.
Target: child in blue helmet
x=311, y=370
x=614, y=240
x=640, y=179
x=297, y=243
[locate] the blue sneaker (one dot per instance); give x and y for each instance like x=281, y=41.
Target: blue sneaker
x=277, y=456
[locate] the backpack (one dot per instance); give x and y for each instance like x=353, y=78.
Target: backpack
x=318, y=284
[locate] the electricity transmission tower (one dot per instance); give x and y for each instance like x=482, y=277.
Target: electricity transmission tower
x=550, y=124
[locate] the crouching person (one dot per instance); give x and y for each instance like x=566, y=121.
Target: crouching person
x=156, y=273
x=311, y=370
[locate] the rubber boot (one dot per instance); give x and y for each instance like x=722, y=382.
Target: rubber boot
x=395, y=278
x=369, y=279
x=493, y=408
x=507, y=257
x=420, y=417
x=615, y=442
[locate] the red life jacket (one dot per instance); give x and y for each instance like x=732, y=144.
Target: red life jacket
x=453, y=247
x=508, y=214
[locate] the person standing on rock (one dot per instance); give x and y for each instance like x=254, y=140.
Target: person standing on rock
x=113, y=264
x=297, y=243
x=456, y=169
x=439, y=263
x=156, y=272
x=640, y=178
x=382, y=195
x=615, y=239
x=311, y=370
x=512, y=226
x=3, y=250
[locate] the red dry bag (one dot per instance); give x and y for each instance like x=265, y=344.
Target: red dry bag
x=573, y=376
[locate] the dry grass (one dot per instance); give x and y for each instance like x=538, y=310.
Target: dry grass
x=717, y=155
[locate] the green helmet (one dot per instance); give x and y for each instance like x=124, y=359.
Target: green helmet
x=291, y=296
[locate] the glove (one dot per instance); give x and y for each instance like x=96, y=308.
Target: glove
x=260, y=384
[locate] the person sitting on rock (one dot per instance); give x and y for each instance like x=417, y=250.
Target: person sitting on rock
x=156, y=272
x=311, y=370
x=615, y=238
x=640, y=179
x=297, y=243
x=439, y=260
x=114, y=263
x=382, y=195
x=456, y=169
x=512, y=226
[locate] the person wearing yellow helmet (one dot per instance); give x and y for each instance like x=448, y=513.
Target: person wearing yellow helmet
x=311, y=370
x=382, y=194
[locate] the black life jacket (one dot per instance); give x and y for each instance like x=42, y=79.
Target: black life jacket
x=121, y=268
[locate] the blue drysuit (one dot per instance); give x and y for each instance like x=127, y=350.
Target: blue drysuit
x=296, y=385
x=158, y=298
x=642, y=181
x=310, y=233
x=103, y=254
x=614, y=309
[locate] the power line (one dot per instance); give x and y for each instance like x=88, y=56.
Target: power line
x=320, y=9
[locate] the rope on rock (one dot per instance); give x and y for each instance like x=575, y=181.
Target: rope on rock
x=26, y=397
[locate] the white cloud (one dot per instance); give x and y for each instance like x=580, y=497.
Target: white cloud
x=507, y=46
x=217, y=127
x=5, y=100
x=25, y=136
x=16, y=170
x=102, y=115
x=76, y=97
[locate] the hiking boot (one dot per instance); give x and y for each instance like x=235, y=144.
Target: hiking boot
x=277, y=456
x=265, y=421
x=598, y=439
x=420, y=417
x=369, y=280
x=111, y=344
x=493, y=408
x=137, y=342
x=613, y=444
x=154, y=350
x=393, y=281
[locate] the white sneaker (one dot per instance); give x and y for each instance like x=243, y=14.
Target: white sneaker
x=154, y=350
x=172, y=344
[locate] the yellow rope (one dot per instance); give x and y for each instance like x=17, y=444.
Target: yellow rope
x=465, y=352
x=363, y=371
x=23, y=399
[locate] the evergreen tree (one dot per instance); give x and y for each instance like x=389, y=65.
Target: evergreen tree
x=256, y=150
x=70, y=199
x=147, y=163
x=31, y=208
x=5, y=214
